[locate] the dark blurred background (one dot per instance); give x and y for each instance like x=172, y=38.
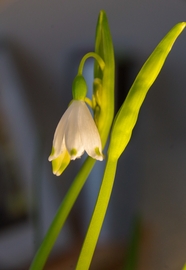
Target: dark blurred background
x=41, y=45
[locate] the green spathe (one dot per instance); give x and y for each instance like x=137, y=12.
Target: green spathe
x=104, y=79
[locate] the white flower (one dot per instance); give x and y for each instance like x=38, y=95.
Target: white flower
x=76, y=133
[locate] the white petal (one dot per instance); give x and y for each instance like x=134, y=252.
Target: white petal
x=58, y=141
x=88, y=132
x=72, y=136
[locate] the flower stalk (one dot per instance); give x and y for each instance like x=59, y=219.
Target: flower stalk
x=94, y=55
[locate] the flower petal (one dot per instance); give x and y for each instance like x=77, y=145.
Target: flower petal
x=58, y=141
x=60, y=163
x=89, y=133
x=73, y=141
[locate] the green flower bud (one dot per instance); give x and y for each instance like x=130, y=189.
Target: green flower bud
x=79, y=88
x=126, y=118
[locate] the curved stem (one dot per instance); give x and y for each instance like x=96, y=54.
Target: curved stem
x=61, y=215
x=88, y=55
x=98, y=216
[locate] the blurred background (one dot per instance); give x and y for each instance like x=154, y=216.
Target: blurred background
x=41, y=45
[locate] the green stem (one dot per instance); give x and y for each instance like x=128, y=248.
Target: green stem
x=98, y=216
x=88, y=55
x=61, y=215
x=131, y=261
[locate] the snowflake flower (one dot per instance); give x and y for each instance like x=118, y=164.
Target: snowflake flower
x=75, y=133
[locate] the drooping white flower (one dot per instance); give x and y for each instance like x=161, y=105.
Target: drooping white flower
x=76, y=133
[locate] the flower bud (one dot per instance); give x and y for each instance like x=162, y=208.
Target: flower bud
x=126, y=118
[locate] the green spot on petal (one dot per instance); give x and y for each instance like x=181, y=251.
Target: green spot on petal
x=97, y=151
x=73, y=152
